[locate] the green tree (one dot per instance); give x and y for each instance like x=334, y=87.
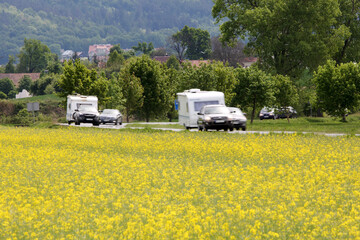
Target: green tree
x=39, y=86
x=210, y=77
x=10, y=67
x=350, y=23
x=172, y=62
x=115, y=95
x=338, y=88
x=53, y=63
x=132, y=91
x=3, y=95
x=156, y=95
x=76, y=78
x=287, y=35
x=116, y=60
x=254, y=89
x=25, y=83
x=144, y=48
x=117, y=48
x=285, y=94
x=6, y=86
x=191, y=42
x=178, y=44
x=32, y=56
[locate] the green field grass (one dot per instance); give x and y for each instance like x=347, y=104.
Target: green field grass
x=42, y=98
x=302, y=124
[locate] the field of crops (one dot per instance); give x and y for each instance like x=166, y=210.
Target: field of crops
x=76, y=183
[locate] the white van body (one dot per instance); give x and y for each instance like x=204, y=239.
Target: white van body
x=74, y=101
x=191, y=101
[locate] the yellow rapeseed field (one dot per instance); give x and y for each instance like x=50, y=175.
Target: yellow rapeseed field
x=76, y=183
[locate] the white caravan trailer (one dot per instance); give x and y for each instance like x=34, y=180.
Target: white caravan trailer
x=191, y=101
x=75, y=101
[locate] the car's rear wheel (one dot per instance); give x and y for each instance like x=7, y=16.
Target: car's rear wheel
x=244, y=128
x=231, y=129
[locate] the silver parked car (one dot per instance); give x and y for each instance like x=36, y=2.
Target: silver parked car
x=238, y=118
x=111, y=116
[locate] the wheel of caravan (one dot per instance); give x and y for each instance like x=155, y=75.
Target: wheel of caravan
x=244, y=128
x=231, y=129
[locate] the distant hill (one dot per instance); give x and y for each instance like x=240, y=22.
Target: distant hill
x=76, y=24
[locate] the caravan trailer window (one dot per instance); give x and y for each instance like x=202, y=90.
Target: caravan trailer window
x=199, y=105
x=79, y=105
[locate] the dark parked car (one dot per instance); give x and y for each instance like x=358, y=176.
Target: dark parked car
x=87, y=114
x=215, y=117
x=267, y=113
x=111, y=116
x=238, y=118
x=284, y=111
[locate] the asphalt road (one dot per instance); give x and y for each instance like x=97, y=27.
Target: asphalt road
x=112, y=126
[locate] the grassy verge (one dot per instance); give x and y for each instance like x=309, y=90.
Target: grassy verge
x=327, y=125
x=304, y=124
x=42, y=98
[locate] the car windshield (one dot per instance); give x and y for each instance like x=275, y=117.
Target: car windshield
x=217, y=110
x=110, y=111
x=266, y=110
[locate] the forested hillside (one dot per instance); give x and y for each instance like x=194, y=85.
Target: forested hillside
x=75, y=24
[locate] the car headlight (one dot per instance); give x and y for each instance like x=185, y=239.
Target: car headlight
x=261, y=114
x=207, y=118
x=230, y=118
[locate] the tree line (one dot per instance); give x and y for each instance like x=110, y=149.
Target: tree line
x=306, y=59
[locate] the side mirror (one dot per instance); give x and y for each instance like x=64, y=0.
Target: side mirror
x=200, y=113
x=76, y=110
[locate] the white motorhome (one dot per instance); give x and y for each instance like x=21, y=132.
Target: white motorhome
x=191, y=101
x=75, y=101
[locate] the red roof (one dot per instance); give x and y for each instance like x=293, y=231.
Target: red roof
x=198, y=62
x=162, y=59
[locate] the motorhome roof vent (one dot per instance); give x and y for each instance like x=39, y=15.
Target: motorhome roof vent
x=194, y=90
